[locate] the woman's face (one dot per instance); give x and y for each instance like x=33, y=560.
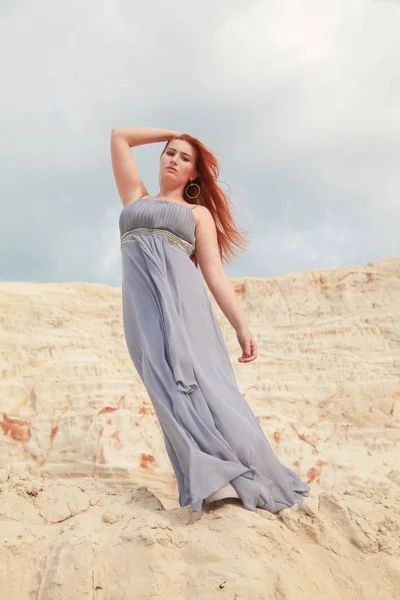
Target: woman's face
x=179, y=155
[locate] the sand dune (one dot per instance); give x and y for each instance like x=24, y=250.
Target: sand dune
x=88, y=501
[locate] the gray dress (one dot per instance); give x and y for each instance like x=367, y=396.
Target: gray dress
x=211, y=435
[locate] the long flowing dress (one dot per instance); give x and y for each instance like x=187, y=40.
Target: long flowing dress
x=211, y=435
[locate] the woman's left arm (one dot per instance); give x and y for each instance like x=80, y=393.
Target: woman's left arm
x=219, y=284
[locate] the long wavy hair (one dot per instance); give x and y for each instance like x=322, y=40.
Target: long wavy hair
x=212, y=197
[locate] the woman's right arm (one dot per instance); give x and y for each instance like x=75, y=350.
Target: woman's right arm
x=138, y=136
x=129, y=184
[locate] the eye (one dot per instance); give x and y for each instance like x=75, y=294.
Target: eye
x=171, y=153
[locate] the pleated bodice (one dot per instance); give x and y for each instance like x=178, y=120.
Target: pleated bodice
x=160, y=214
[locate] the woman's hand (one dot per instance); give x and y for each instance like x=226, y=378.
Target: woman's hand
x=247, y=344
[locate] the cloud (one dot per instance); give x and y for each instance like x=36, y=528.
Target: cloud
x=300, y=102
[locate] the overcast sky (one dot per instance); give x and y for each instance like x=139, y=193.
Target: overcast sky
x=300, y=101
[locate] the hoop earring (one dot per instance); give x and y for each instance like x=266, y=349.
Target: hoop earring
x=194, y=184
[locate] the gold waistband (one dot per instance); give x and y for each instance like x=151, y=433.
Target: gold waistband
x=130, y=236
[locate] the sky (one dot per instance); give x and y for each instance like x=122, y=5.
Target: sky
x=299, y=101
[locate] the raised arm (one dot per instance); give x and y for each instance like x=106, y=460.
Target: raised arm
x=129, y=183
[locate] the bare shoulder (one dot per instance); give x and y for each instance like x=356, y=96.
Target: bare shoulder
x=203, y=216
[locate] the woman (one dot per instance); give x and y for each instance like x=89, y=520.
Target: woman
x=214, y=441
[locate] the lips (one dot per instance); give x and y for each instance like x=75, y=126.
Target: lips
x=172, y=169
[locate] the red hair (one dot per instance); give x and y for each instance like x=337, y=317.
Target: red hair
x=212, y=197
